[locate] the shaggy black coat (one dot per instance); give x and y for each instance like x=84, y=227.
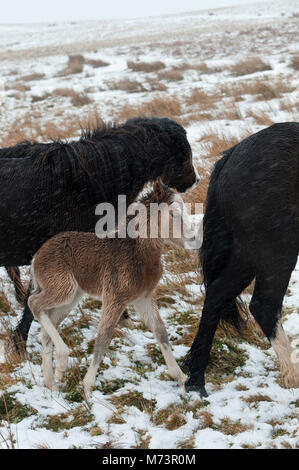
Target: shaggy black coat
x=251, y=230
x=55, y=187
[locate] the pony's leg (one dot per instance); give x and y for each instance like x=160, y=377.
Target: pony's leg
x=220, y=303
x=15, y=276
x=111, y=313
x=266, y=303
x=20, y=334
x=149, y=311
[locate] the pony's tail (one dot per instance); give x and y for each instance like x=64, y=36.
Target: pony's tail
x=15, y=276
x=216, y=249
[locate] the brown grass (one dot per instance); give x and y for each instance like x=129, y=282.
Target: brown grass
x=155, y=85
x=146, y=67
x=75, y=65
x=158, y=106
x=96, y=63
x=248, y=66
x=21, y=87
x=295, y=62
x=37, y=99
x=257, y=398
x=31, y=128
x=199, y=193
x=201, y=98
x=81, y=99
x=77, y=99
x=125, y=84
x=201, y=67
x=261, y=117
x=171, y=75
x=171, y=417
x=229, y=113
x=232, y=428
x=265, y=90
x=32, y=77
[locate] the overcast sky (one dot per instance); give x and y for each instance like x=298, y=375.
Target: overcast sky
x=24, y=11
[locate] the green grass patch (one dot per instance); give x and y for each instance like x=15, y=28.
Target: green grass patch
x=76, y=417
x=12, y=410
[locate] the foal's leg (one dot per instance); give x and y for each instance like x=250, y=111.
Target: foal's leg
x=111, y=313
x=149, y=311
x=47, y=359
x=219, y=302
x=266, y=303
x=44, y=304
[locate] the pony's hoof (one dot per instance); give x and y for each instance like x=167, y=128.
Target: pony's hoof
x=196, y=388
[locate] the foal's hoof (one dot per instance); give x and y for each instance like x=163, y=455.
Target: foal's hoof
x=196, y=388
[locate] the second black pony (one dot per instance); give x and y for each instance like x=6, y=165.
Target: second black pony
x=251, y=230
x=55, y=187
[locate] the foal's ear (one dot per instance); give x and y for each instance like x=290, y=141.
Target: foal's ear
x=159, y=189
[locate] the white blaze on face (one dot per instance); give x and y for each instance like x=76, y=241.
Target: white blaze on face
x=197, y=180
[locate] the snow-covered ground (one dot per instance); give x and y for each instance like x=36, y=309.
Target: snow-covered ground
x=135, y=403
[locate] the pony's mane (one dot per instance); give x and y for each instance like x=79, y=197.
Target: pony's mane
x=108, y=147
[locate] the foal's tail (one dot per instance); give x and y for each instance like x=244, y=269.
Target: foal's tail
x=15, y=276
x=217, y=245
x=34, y=286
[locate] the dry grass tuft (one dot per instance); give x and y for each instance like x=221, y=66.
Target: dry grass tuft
x=232, y=428
x=146, y=67
x=257, y=398
x=155, y=85
x=295, y=62
x=214, y=145
x=250, y=65
x=75, y=65
x=265, y=90
x=199, y=193
x=77, y=99
x=201, y=67
x=32, y=77
x=125, y=84
x=133, y=398
x=171, y=417
x=31, y=128
x=159, y=106
x=96, y=63
x=206, y=419
x=21, y=87
x=261, y=117
x=171, y=75
x=202, y=99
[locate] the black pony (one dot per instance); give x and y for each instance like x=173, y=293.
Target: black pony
x=55, y=187
x=251, y=230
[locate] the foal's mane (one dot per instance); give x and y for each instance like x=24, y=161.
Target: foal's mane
x=149, y=196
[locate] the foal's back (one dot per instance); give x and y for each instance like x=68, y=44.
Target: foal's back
x=81, y=260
